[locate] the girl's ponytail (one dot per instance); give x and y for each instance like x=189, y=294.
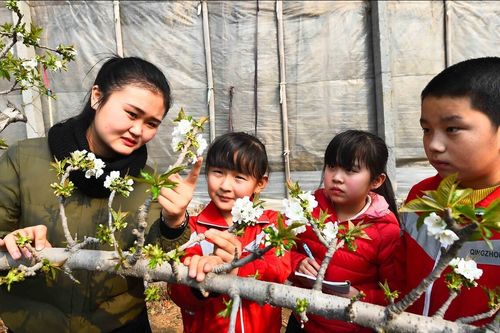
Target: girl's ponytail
x=387, y=192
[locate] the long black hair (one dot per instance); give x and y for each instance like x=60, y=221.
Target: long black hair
x=354, y=147
x=118, y=72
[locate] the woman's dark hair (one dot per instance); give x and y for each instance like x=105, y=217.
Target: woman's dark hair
x=354, y=147
x=240, y=152
x=117, y=72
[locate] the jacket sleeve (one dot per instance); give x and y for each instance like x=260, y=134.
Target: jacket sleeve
x=9, y=191
x=389, y=244
x=166, y=237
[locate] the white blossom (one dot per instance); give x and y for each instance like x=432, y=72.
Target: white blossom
x=58, y=64
x=330, y=231
x=293, y=210
x=244, y=212
x=295, y=214
x=202, y=144
x=129, y=184
x=435, y=225
x=310, y=201
x=175, y=142
x=467, y=268
x=30, y=64
x=110, y=178
x=98, y=166
x=298, y=230
x=183, y=127
x=25, y=83
x=78, y=155
x=447, y=237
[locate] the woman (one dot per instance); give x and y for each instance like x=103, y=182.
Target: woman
x=127, y=102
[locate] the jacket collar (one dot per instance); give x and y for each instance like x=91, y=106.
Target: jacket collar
x=376, y=206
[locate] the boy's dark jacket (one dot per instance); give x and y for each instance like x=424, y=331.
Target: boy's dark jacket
x=100, y=302
x=421, y=251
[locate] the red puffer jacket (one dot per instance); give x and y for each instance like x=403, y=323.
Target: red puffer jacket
x=371, y=263
x=424, y=249
x=200, y=314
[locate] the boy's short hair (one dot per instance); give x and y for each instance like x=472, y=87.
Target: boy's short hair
x=478, y=79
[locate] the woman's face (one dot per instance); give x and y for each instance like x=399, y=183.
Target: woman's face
x=128, y=120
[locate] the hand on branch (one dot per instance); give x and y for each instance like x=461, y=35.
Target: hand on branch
x=37, y=234
x=226, y=249
x=174, y=201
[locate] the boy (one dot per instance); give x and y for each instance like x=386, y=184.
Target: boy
x=460, y=121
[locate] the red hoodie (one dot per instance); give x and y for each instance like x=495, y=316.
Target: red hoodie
x=200, y=314
x=370, y=264
x=421, y=252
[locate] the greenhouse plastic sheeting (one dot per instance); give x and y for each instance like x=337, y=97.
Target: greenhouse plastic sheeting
x=330, y=80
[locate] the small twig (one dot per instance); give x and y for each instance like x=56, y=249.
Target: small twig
x=197, y=239
x=86, y=241
x=234, y=294
x=11, y=89
x=494, y=325
x=444, y=260
x=141, y=230
x=332, y=248
x=62, y=212
x=13, y=36
x=479, y=316
x=227, y=267
x=442, y=310
x=110, y=222
x=33, y=252
x=68, y=272
x=31, y=270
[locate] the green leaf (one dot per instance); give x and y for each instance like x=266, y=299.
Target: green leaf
x=467, y=211
x=492, y=213
x=155, y=192
x=152, y=293
x=173, y=171
x=146, y=178
x=458, y=195
x=227, y=310
x=421, y=205
x=444, y=192
x=482, y=233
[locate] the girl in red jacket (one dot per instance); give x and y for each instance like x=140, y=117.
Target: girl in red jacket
x=236, y=167
x=354, y=172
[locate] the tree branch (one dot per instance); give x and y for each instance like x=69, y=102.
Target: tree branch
x=446, y=257
x=328, y=306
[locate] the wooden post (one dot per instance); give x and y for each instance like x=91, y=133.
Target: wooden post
x=386, y=119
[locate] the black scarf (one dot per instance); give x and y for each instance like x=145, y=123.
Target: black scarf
x=66, y=137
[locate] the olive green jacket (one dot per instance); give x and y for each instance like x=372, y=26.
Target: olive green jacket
x=100, y=302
